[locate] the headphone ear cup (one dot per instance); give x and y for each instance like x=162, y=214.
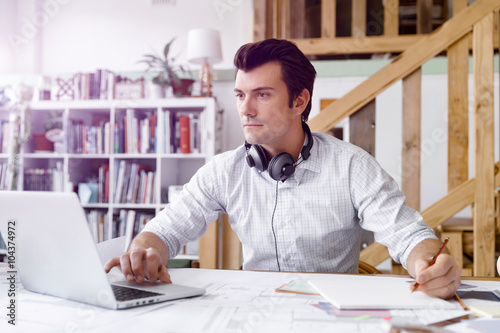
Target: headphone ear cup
x=256, y=157
x=281, y=166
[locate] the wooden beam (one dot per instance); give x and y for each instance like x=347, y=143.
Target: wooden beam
x=458, y=112
x=410, y=175
x=458, y=5
x=424, y=16
x=484, y=221
x=362, y=128
x=328, y=18
x=391, y=17
x=209, y=247
x=356, y=45
x=358, y=23
x=404, y=64
x=352, y=45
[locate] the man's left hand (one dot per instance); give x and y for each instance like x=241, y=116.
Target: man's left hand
x=439, y=280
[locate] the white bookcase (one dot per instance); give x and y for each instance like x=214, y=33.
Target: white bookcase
x=171, y=168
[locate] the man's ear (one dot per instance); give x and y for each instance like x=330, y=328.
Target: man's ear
x=301, y=101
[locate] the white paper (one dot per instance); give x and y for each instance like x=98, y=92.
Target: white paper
x=373, y=292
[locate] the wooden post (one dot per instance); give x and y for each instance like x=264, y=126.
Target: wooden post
x=260, y=26
x=358, y=24
x=424, y=16
x=362, y=134
x=270, y=14
x=231, y=246
x=484, y=221
x=328, y=18
x=362, y=128
x=391, y=18
x=209, y=247
x=277, y=18
x=285, y=15
x=458, y=112
x=455, y=246
x=410, y=176
x=297, y=16
x=458, y=107
x=458, y=125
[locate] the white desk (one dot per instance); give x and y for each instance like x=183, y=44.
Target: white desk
x=236, y=301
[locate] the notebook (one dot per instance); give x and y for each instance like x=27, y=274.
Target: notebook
x=373, y=292
x=56, y=254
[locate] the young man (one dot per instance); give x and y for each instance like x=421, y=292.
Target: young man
x=298, y=201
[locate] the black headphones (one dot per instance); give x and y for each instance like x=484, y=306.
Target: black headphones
x=281, y=166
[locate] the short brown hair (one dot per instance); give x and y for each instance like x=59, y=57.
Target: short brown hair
x=296, y=70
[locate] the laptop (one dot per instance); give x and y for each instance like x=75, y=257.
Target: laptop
x=56, y=254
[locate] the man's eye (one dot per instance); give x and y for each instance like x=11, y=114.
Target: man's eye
x=263, y=94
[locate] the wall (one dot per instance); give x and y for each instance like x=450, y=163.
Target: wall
x=63, y=36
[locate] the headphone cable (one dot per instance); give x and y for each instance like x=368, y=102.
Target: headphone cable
x=272, y=227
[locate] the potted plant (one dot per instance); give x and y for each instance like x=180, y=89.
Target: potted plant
x=167, y=72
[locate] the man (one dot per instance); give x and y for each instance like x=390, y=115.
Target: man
x=298, y=201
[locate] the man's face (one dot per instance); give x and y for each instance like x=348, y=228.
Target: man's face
x=263, y=106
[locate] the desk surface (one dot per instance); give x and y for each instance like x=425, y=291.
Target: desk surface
x=236, y=301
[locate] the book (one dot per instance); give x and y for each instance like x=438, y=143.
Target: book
x=185, y=134
x=120, y=174
x=130, y=226
x=167, y=136
x=149, y=187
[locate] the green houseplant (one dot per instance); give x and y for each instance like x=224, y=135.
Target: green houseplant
x=167, y=72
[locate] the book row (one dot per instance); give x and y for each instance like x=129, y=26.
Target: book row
x=135, y=183
x=182, y=132
x=127, y=223
x=97, y=85
x=134, y=134
x=39, y=179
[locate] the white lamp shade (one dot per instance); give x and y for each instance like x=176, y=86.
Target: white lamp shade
x=203, y=46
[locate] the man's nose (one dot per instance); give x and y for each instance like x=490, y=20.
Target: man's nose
x=246, y=108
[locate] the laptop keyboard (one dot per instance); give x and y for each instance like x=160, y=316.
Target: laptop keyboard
x=126, y=294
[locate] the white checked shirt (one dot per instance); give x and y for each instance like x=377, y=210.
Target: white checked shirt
x=321, y=210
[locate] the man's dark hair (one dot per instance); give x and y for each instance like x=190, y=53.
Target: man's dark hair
x=296, y=70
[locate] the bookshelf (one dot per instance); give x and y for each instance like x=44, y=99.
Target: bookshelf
x=104, y=140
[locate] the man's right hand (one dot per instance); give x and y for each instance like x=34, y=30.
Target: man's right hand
x=143, y=260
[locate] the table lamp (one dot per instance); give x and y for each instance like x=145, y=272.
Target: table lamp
x=204, y=47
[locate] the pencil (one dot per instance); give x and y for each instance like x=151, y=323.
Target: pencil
x=462, y=304
x=434, y=259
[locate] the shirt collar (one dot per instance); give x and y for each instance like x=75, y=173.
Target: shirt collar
x=313, y=163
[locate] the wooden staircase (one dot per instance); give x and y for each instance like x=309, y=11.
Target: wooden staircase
x=473, y=28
